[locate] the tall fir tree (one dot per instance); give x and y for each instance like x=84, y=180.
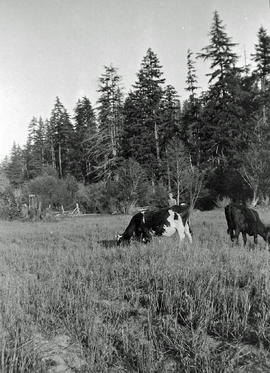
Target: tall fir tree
x=85, y=129
x=170, y=117
x=110, y=123
x=169, y=128
x=143, y=115
x=262, y=57
x=62, y=133
x=15, y=166
x=35, y=148
x=191, y=114
x=262, y=73
x=220, y=53
x=49, y=145
x=192, y=79
x=225, y=132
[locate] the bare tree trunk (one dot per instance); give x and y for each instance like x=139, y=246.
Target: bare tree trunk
x=112, y=134
x=177, y=182
x=157, y=144
x=169, y=176
x=53, y=156
x=264, y=109
x=60, y=161
x=254, y=186
x=42, y=156
x=168, y=171
x=255, y=197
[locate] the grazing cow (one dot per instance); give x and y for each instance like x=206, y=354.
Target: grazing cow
x=163, y=222
x=241, y=219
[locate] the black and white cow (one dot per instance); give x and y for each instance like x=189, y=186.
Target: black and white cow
x=241, y=219
x=163, y=222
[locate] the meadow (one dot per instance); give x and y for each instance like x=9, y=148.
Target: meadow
x=68, y=303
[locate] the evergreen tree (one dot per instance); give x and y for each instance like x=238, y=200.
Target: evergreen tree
x=110, y=104
x=262, y=73
x=34, y=151
x=191, y=79
x=84, y=132
x=191, y=114
x=15, y=167
x=255, y=163
x=220, y=53
x=49, y=145
x=61, y=131
x=169, y=128
x=262, y=57
x=226, y=129
x=170, y=117
x=143, y=115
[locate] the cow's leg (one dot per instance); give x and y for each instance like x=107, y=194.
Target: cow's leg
x=231, y=232
x=146, y=235
x=255, y=238
x=236, y=235
x=244, y=235
x=188, y=232
x=180, y=229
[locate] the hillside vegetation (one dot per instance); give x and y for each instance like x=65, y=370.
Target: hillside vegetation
x=142, y=308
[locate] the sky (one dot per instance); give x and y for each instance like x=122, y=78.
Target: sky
x=59, y=48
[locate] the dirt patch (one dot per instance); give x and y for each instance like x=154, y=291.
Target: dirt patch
x=59, y=354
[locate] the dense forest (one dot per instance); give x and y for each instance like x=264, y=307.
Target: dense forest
x=133, y=149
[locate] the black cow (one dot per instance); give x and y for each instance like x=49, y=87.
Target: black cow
x=241, y=219
x=163, y=222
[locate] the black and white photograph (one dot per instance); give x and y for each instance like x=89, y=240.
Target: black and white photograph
x=134, y=186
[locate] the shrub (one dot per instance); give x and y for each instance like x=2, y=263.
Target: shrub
x=53, y=191
x=91, y=197
x=157, y=196
x=8, y=205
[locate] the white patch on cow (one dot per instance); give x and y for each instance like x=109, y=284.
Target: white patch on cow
x=170, y=230
x=180, y=227
x=177, y=224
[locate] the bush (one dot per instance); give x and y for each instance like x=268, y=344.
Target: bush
x=8, y=205
x=157, y=196
x=91, y=197
x=53, y=191
x=128, y=190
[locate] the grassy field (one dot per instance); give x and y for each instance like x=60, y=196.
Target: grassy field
x=70, y=304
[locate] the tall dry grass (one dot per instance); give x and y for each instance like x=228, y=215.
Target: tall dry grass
x=144, y=308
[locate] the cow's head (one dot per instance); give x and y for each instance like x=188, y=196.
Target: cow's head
x=119, y=239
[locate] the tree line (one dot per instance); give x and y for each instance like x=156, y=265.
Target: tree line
x=135, y=148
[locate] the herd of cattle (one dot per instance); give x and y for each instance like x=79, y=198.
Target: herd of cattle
x=167, y=221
